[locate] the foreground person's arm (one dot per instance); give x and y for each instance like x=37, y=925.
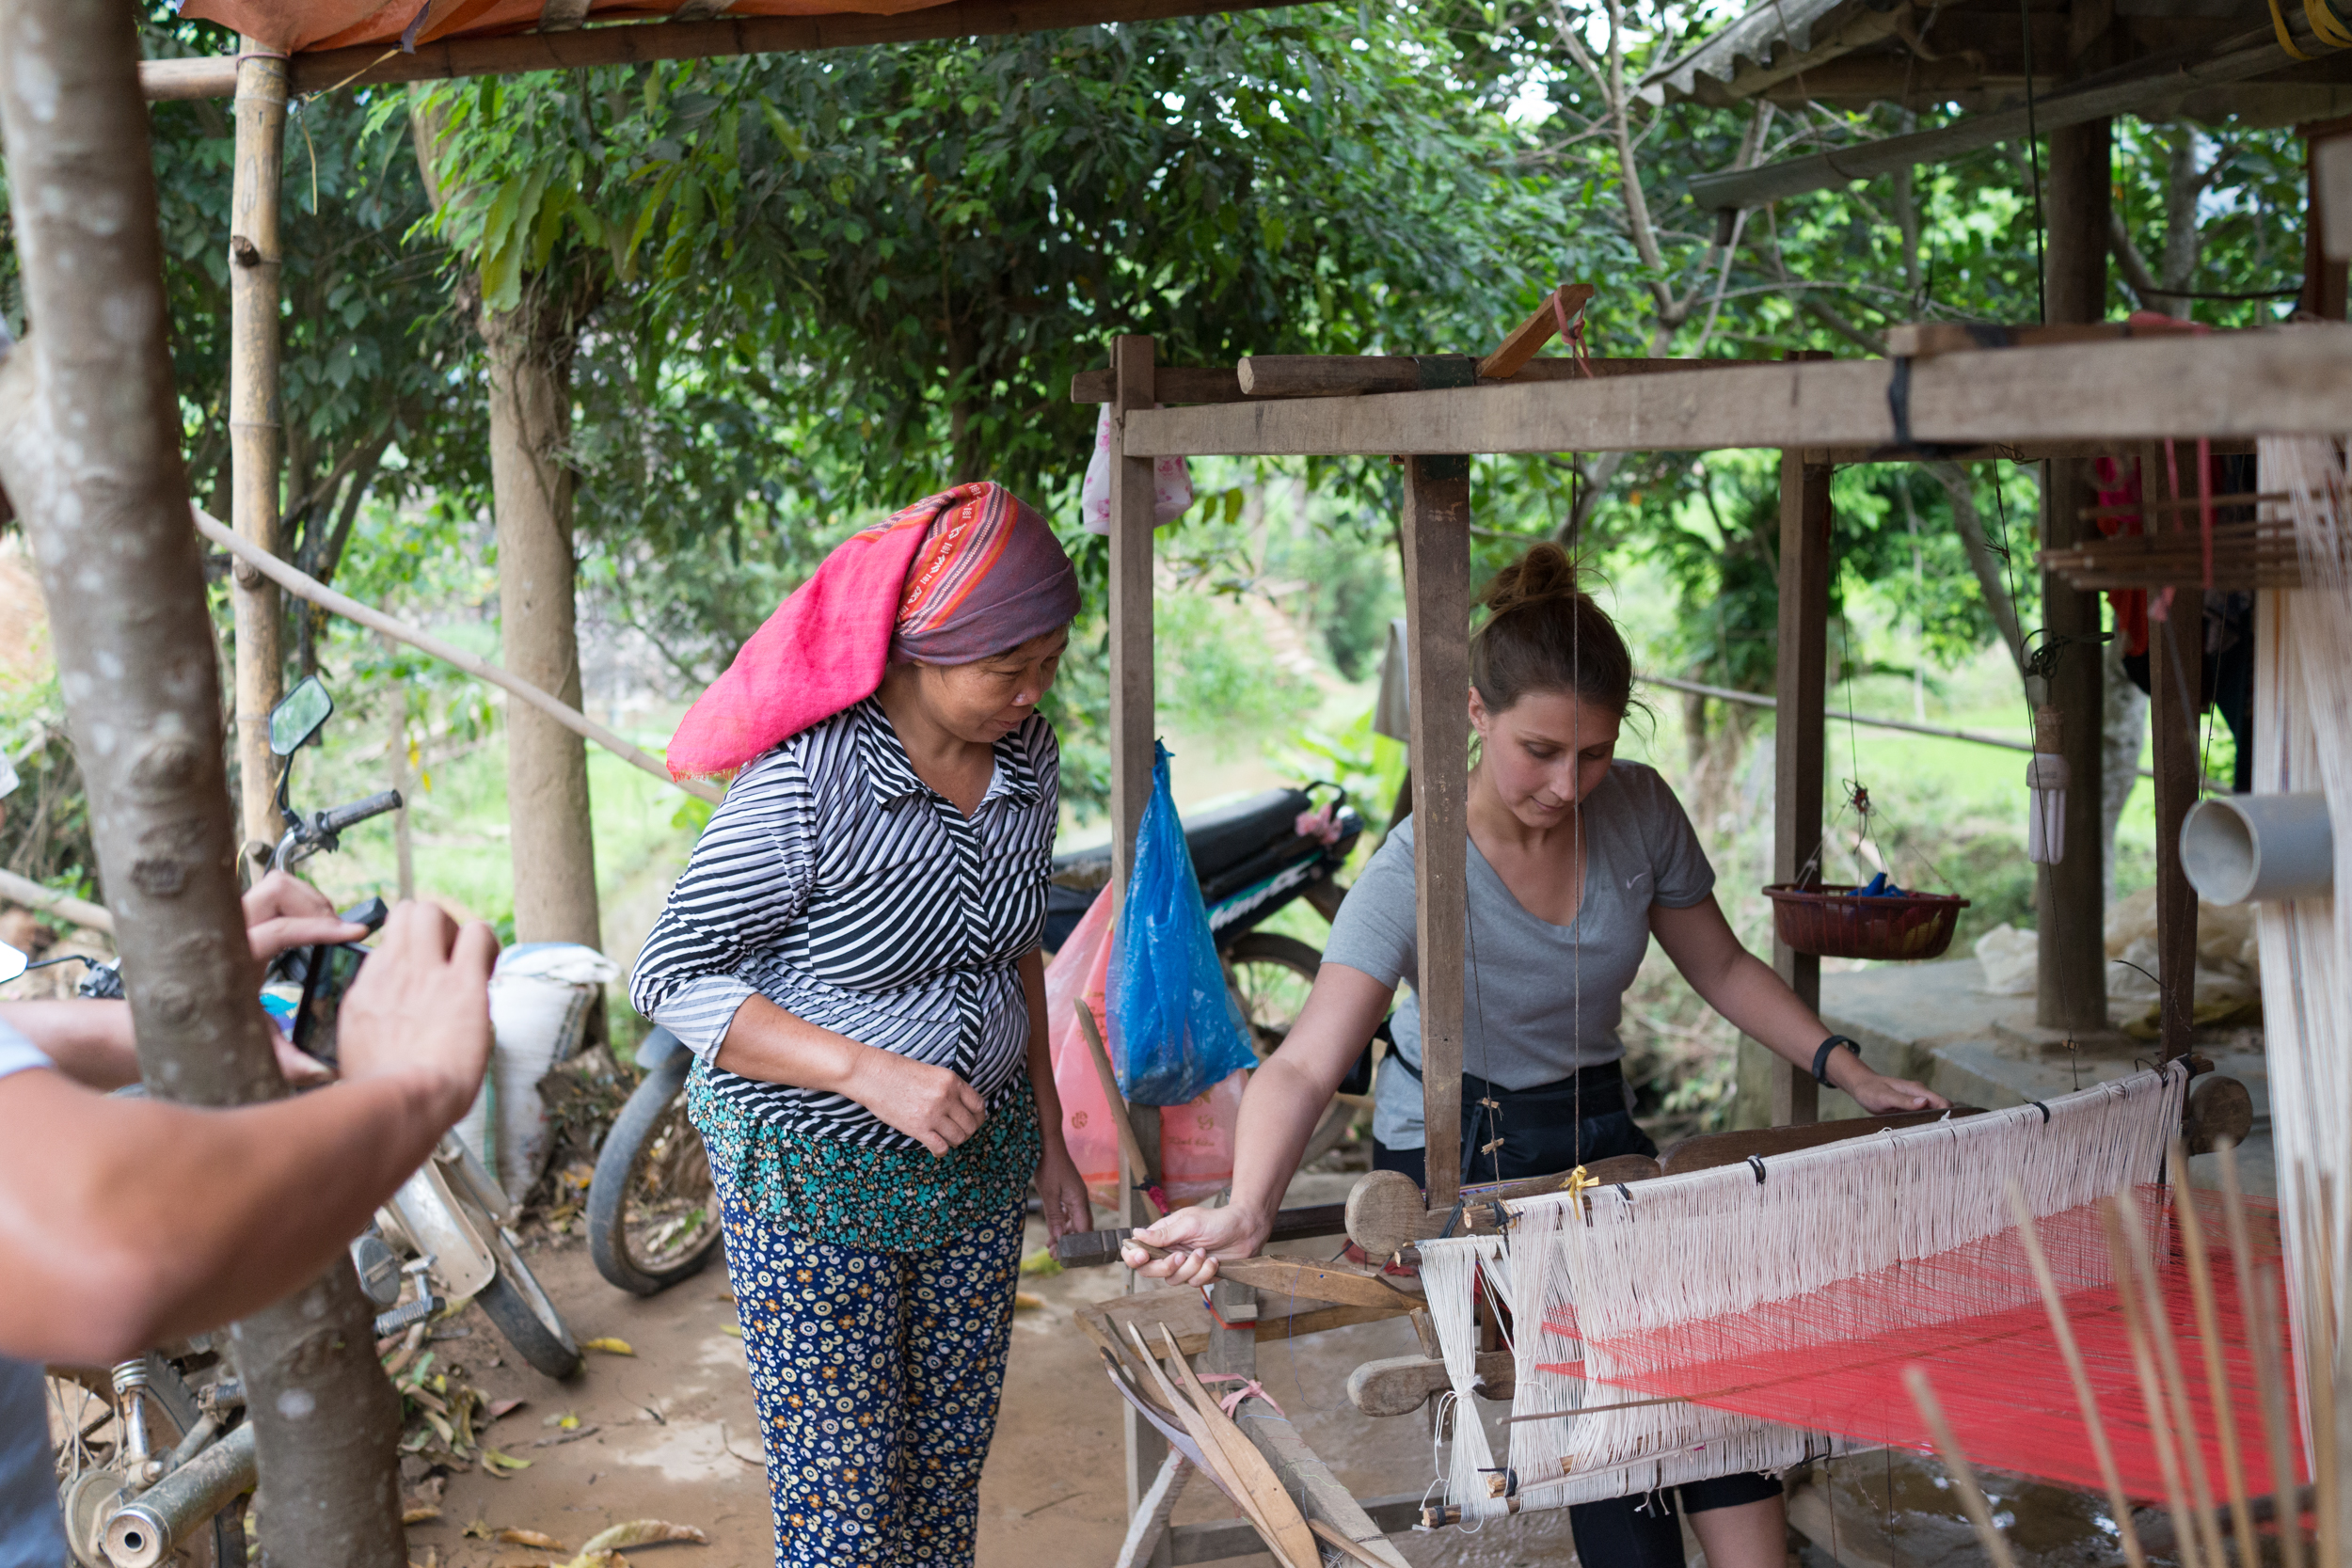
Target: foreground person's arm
x=1286, y=1098
x=125, y=1222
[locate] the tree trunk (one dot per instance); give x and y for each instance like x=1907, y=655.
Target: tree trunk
x=89, y=447
x=546, y=764
x=255, y=433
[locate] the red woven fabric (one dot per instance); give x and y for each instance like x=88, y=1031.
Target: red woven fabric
x=1974, y=1318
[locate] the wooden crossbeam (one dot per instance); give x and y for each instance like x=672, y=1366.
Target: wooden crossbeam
x=2281, y=380
x=636, y=43
x=1319, y=375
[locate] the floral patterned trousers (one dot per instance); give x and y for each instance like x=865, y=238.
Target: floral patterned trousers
x=877, y=1376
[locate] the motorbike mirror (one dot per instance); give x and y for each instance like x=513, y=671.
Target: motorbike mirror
x=299, y=716
x=12, y=963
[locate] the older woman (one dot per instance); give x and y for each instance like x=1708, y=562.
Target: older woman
x=852, y=956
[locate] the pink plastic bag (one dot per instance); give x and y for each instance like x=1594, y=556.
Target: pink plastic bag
x=1076, y=977
x=1196, y=1143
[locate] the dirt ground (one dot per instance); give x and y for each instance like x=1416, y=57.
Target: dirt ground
x=669, y=1433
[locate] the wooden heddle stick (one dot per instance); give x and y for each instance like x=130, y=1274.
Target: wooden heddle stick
x=1305, y=1280
x=1118, y=1103
x=1285, y=1524
x=1562, y=303
x=303, y=586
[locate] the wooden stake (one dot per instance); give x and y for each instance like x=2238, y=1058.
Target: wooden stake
x=1109, y=1080
x=2121, y=1249
x=2160, y=1337
x=2062, y=1329
x=1325, y=1532
x=255, y=436
x=1145, y=1531
x=1956, y=1463
x=2209, y=1346
x=1798, y=735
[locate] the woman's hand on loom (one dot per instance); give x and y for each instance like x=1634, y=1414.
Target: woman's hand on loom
x=927, y=1103
x=1882, y=1096
x=1195, y=1239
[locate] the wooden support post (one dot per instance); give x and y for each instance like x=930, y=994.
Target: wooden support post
x=1802, y=691
x=2176, y=694
x=1132, y=724
x=1437, y=611
x=2072, y=993
x=256, y=439
x=2324, y=278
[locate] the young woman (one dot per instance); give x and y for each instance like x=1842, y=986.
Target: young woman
x=852, y=956
x=1576, y=861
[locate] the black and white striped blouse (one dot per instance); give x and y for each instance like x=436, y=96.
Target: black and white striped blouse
x=835, y=883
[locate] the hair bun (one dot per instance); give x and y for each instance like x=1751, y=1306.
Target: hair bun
x=1544, y=575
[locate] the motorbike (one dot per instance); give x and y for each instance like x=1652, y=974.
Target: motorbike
x=653, y=1214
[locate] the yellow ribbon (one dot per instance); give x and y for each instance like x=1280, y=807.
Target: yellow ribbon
x=1578, y=1182
x=2286, y=39
x=2326, y=24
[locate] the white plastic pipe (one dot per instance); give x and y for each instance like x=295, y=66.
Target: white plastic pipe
x=2047, y=777
x=2241, y=848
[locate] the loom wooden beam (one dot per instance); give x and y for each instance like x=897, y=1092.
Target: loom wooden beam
x=1387, y=1219
x=1132, y=369
x=1216, y=1539
x=1707, y=1151
x=1802, y=678
x=1274, y=375
x=1400, y=1384
x=2281, y=380
x=1436, y=608
x=2071, y=984
x=2175, y=697
x=639, y=43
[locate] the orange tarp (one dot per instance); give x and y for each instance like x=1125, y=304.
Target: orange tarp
x=304, y=27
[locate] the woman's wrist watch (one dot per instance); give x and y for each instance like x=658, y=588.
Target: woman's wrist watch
x=1821, y=1058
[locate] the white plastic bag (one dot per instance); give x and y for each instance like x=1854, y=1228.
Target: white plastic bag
x=1172, y=488
x=540, y=994
x=2012, y=960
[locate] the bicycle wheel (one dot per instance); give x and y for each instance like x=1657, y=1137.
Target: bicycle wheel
x=85, y=1433
x=1271, y=975
x=653, y=1214
x=522, y=1312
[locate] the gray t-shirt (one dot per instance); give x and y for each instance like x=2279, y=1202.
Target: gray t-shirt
x=30, y=1534
x=1541, y=999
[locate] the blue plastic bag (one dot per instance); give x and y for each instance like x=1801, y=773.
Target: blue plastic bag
x=1176, y=1027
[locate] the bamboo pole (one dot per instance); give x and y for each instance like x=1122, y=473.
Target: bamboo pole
x=2161, y=1340
x=89, y=447
x=2123, y=1250
x=1956, y=1464
x=48, y=900
x=303, y=586
x=256, y=438
x=2256, y=1286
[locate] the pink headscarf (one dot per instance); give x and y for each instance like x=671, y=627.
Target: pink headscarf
x=955, y=577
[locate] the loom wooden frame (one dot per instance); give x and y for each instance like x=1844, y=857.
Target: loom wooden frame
x=1819, y=414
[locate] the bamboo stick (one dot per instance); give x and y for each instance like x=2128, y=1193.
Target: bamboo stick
x=2159, y=1322
x=2254, y=1299
x=25, y=890
x=2062, y=1329
x=2120, y=1251
x=2209, y=1342
x=1118, y=1103
x=256, y=440
x=303, y=586
x=1956, y=1463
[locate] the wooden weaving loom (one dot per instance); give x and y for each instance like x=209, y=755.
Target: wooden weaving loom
x=2074, y=399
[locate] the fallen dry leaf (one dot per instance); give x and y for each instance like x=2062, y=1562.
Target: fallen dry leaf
x=418, y=1513
x=731, y=1330
x=502, y=1465
x=503, y=1407
x=609, y=1345
x=479, y=1530
x=531, y=1538
x=1023, y=1302
x=603, y=1548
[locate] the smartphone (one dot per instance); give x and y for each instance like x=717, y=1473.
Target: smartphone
x=330, y=974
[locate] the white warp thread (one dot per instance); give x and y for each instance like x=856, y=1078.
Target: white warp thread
x=1450, y=1270
x=2303, y=742
x=1683, y=1250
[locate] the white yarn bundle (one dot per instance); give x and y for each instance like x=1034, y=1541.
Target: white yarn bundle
x=2303, y=742
x=1451, y=1272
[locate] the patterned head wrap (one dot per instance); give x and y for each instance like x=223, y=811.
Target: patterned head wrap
x=953, y=579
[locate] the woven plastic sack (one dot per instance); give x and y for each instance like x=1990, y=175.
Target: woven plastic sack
x=1176, y=1028
x=1073, y=980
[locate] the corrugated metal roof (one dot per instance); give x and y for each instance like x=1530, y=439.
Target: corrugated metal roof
x=1755, y=39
